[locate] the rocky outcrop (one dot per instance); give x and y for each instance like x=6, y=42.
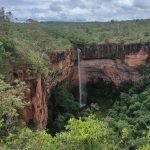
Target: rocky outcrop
x=137, y=59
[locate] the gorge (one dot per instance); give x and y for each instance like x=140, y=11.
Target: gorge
x=111, y=63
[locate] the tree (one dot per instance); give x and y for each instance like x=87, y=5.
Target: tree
x=31, y=21
x=86, y=133
x=130, y=116
x=26, y=139
x=2, y=14
x=11, y=101
x=5, y=16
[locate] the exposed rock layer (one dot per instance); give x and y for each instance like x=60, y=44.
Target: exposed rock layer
x=112, y=51
x=137, y=59
x=113, y=70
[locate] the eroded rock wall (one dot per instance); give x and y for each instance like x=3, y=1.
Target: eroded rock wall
x=98, y=63
x=38, y=89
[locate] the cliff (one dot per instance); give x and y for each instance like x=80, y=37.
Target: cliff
x=116, y=71
x=112, y=51
x=38, y=89
x=112, y=63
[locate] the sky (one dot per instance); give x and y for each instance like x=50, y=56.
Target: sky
x=77, y=10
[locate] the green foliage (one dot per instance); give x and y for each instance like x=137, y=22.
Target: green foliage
x=64, y=99
x=85, y=134
x=63, y=107
x=8, y=45
x=2, y=49
x=130, y=116
x=7, y=51
x=26, y=139
x=146, y=137
x=11, y=101
x=103, y=94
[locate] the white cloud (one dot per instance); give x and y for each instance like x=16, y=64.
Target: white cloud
x=144, y=4
x=78, y=10
x=128, y=3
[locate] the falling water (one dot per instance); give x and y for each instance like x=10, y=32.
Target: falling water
x=82, y=82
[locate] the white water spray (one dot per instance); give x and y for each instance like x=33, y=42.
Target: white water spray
x=82, y=82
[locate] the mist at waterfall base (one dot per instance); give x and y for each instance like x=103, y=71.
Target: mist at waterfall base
x=82, y=82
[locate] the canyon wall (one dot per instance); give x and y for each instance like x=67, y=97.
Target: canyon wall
x=112, y=51
x=112, y=63
x=38, y=87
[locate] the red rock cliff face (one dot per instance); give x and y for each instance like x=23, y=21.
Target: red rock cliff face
x=36, y=111
x=112, y=63
x=109, y=70
x=38, y=89
x=39, y=105
x=137, y=59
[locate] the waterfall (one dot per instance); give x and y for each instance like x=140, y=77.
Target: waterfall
x=82, y=81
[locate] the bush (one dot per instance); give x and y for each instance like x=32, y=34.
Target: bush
x=11, y=101
x=85, y=134
x=131, y=114
x=26, y=139
x=64, y=107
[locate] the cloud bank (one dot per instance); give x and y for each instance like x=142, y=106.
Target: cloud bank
x=78, y=10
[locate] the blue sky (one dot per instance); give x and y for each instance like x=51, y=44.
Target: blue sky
x=78, y=10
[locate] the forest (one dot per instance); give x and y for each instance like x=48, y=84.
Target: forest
x=119, y=118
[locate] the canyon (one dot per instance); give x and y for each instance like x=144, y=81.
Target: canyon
x=110, y=62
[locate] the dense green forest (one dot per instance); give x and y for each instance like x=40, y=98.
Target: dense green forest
x=126, y=122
